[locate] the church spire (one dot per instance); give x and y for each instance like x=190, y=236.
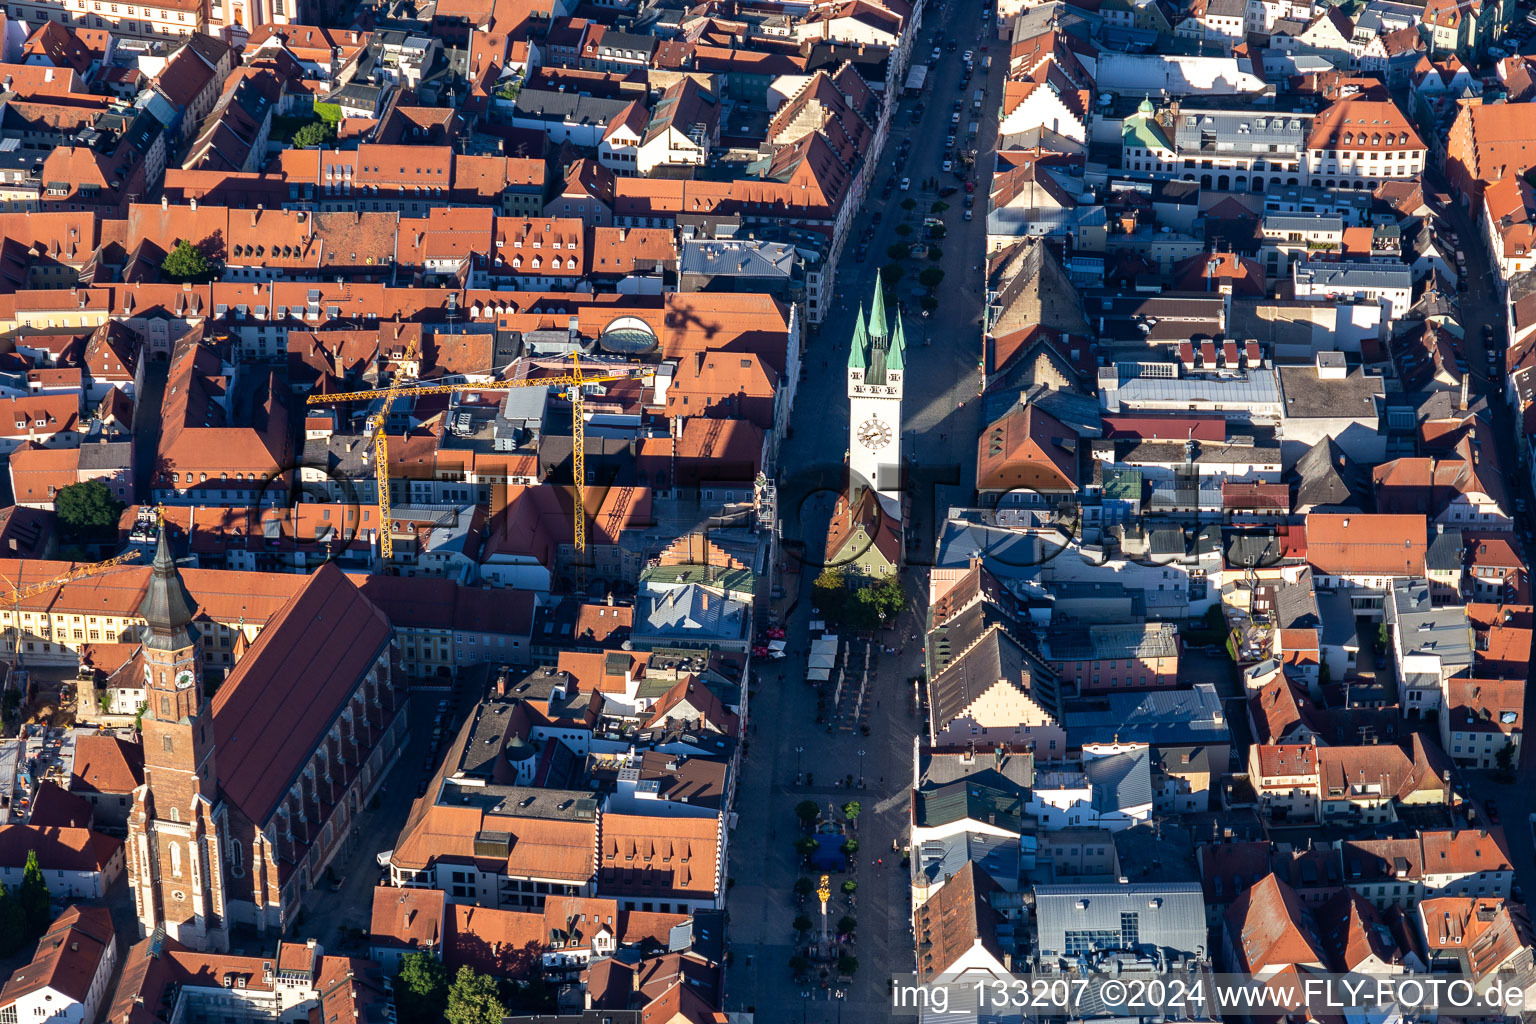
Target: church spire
x=895, y=359
x=167, y=607
x=877, y=327
x=858, y=357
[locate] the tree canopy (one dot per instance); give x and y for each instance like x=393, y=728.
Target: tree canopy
x=186, y=262
x=34, y=897
x=316, y=133
x=87, y=509
x=474, y=998
x=421, y=989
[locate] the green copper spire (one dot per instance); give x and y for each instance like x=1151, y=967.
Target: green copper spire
x=895, y=359
x=858, y=352
x=877, y=325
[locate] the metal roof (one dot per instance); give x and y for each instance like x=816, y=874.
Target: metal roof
x=1167, y=916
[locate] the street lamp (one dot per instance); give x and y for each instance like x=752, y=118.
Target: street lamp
x=861, y=768
x=798, y=751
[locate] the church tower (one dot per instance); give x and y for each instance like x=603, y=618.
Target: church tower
x=174, y=866
x=876, y=369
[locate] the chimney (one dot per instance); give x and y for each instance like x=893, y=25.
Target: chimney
x=192, y=204
x=165, y=203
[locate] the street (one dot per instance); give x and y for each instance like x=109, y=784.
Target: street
x=940, y=427
x=1483, y=305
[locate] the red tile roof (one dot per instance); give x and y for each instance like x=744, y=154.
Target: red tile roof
x=272, y=713
x=58, y=849
x=409, y=919
x=1353, y=544
x=1272, y=928
x=67, y=958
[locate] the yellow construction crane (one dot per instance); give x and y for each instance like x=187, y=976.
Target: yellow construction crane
x=574, y=382
x=78, y=572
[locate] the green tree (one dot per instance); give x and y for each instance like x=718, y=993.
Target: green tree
x=909, y=204
x=930, y=277
x=935, y=253
x=891, y=273
x=850, y=846
x=421, y=989
x=799, y=964
x=1504, y=762
x=10, y=702
x=850, y=887
x=34, y=897
x=13, y=923
x=939, y=206
x=474, y=999
x=802, y=923
x=903, y=230
x=87, y=509
x=881, y=601
x=1383, y=637
x=316, y=133
x=846, y=925
x=804, y=886
x=847, y=965
x=830, y=592
x=807, y=811
x=186, y=262
x=807, y=845
x=899, y=251
x=852, y=810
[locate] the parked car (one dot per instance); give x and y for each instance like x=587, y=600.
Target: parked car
x=949, y=165
x=966, y=215
x=906, y=184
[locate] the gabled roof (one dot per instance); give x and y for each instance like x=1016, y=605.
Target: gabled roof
x=275, y=709
x=1353, y=932
x=67, y=958
x=1027, y=448
x=1272, y=928
x=105, y=764
x=1353, y=544
x=407, y=919
x=956, y=920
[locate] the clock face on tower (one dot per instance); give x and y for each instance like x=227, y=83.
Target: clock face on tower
x=873, y=433
x=183, y=679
